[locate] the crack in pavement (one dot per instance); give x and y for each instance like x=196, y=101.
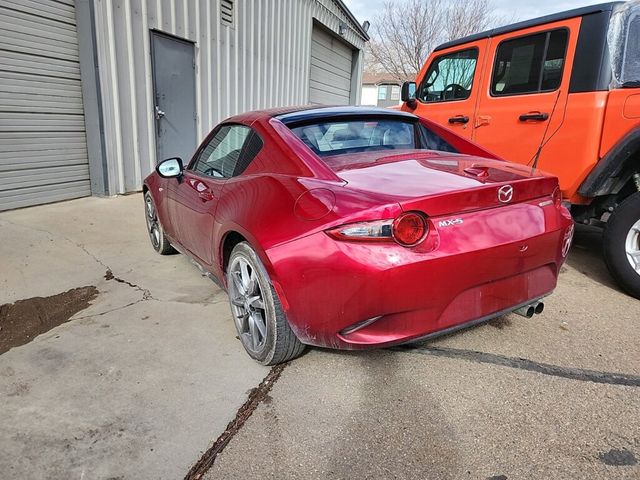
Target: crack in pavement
x=99, y=314
x=256, y=397
x=580, y=374
x=146, y=294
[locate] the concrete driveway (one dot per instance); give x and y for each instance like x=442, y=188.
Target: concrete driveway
x=143, y=382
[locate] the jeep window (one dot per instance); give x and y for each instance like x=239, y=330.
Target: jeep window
x=530, y=64
x=631, y=65
x=449, y=77
x=623, y=40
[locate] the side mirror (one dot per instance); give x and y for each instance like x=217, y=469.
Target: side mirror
x=408, y=94
x=170, y=168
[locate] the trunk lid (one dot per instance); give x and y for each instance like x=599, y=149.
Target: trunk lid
x=439, y=183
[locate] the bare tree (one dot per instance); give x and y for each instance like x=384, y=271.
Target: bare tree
x=406, y=31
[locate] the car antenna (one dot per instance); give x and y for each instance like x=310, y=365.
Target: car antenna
x=543, y=143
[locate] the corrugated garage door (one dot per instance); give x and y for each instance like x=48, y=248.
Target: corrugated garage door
x=330, y=75
x=43, y=151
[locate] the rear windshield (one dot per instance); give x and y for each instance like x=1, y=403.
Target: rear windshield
x=338, y=137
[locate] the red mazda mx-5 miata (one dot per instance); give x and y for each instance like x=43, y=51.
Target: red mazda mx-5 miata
x=352, y=227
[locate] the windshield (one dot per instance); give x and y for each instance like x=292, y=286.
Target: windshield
x=355, y=136
x=624, y=44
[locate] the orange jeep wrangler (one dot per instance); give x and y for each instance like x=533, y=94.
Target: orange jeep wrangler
x=560, y=93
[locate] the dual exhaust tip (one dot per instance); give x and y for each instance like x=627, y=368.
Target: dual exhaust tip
x=528, y=311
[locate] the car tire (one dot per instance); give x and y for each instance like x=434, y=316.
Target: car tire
x=257, y=312
x=159, y=241
x=621, y=244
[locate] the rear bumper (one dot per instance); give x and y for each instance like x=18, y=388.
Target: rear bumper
x=328, y=287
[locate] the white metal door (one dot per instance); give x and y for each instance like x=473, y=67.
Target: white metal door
x=43, y=151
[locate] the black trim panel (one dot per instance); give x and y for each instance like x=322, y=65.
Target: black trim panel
x=591, y=69
x=614, y=170
x=470, y=323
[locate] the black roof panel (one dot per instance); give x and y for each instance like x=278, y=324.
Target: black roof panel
x=555, y=17
x=318, y=113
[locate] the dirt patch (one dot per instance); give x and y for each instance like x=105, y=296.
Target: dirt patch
x=22, y=321
x=257, y=396
x=618, y=458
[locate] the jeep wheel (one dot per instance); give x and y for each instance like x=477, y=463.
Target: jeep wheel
x=622, y=244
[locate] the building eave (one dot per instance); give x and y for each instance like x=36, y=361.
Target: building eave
x=353, y=20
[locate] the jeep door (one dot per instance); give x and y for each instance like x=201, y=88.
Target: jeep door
x=522, y=99
x=448, y=84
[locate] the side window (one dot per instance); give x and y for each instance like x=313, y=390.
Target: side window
x=229, y=152
x=530, y=64
x=449, y=77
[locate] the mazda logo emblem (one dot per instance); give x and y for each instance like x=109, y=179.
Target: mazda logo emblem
x=505, y=194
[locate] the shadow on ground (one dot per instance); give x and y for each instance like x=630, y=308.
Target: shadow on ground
x=396, y=428
x=586, y=256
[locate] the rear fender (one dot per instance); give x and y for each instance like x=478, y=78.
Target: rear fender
x=615, y=169
x=251, y=240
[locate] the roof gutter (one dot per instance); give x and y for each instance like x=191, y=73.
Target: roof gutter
x=353, y=19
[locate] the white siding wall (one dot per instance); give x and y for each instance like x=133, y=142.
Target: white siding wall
x=369, y=95
x=261, y=62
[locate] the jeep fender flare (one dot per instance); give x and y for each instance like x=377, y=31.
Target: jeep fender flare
x=615, y=169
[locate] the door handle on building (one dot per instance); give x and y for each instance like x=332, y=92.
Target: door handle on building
x=482, y=120
x=159, y=113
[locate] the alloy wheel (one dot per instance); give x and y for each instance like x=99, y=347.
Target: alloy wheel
x=632, y=246
x=247, y=304
x=152, y=222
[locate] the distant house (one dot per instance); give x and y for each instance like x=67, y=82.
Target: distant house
x=380, y=89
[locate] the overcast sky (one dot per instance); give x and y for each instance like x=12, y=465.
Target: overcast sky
x=366, y=9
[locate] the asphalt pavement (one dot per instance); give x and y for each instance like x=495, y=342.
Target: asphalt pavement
x=144, y=382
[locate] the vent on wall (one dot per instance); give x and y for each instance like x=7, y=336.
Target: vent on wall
x=226, y=12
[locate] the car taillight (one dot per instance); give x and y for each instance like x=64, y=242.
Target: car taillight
x=377, y=231
x=409, y=229
x=557, y=197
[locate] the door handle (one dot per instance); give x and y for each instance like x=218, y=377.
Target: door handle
x=534, y=116
x=159, y=113
x=459, y=119
x=206, y=195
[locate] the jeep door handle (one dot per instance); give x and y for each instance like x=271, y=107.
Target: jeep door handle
x=459, y=119
x=534, y=116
